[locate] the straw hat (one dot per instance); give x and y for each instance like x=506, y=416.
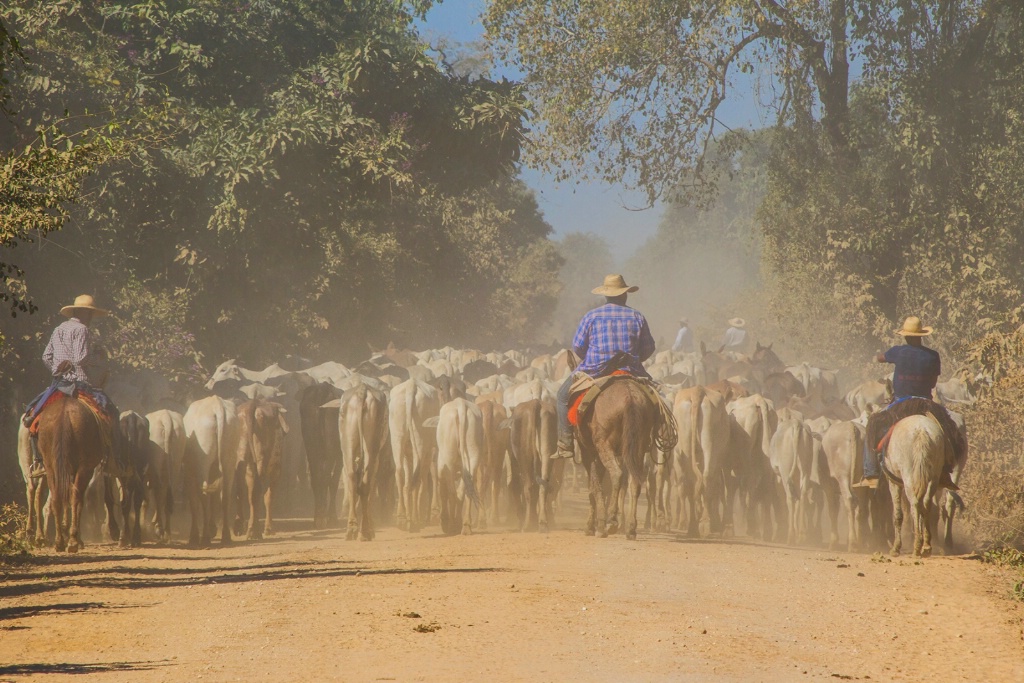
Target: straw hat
x=83, y=301
x=912, y=327
x=684, y=321
x=614, y=285
x=737, y=322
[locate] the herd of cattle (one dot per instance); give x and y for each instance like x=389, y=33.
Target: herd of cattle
x=464, y=438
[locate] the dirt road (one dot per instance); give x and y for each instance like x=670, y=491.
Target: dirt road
x=501, y=606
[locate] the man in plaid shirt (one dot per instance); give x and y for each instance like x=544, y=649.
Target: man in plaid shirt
x=610, y=337
x=75, y=366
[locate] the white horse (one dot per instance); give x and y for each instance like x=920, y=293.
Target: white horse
x=917, y=452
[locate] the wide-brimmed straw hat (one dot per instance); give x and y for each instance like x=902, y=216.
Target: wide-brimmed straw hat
x=737, y=322
x=912, y=327
x=83, y=301
x=614, y=285
x=684, y=321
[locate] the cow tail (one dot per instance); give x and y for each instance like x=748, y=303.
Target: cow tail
x=359, y=464
x=415, y=438
x=469, y=486
x=536, y=416
x=695, y=449
x=857, y=461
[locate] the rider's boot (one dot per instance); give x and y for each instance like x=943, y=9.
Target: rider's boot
x=872, y=470
x=36, y=470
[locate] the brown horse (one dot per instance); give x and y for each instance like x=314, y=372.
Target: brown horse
x=71, y=443
x=614, y=436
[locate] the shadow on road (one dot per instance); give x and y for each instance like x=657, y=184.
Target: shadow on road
x=129, y=579
x=34, y=610
x=68, y=668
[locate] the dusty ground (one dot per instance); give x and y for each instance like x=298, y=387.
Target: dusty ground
x=502, y=606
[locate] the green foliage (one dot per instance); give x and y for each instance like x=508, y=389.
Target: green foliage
x=927, y=222
x=296, y=177
x=149, y=330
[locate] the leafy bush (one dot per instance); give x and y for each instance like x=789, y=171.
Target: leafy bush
x=13, y=544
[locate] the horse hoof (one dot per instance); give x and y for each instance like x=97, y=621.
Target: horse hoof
x=631, y=536
x=72, y=547
x=604, y=534
x=589, y=532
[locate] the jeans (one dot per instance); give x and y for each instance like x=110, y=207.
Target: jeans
x=872, y=469
x=562, y=404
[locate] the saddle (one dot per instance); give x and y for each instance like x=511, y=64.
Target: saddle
x=585, y=390
x=881, y=425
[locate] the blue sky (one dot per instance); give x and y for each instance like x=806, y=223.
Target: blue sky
x=577, y=206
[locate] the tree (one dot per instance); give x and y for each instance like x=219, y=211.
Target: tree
x=303, y=164
x=634, y=87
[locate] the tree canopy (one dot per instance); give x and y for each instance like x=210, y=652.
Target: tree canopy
x=282, y=177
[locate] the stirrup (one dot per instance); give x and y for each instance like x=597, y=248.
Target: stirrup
x=565, y=449
x=866, y=483
x=36, y=470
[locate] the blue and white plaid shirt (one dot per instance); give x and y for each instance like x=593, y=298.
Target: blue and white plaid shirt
x=608, y=330
x=69, y=342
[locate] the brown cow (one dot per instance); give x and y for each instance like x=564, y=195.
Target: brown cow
x=536, y=478
x=262, y=429
x=492, y=468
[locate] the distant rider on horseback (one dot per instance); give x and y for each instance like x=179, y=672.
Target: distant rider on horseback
x=609, y=338
x=917, y=370
x=76, y=364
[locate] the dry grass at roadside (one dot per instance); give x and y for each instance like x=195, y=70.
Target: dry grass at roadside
x=993, y=482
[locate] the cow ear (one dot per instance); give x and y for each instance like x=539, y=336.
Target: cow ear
x=431, y=422
x=280, y=418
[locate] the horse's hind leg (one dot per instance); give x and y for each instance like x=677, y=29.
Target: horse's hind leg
x=77, y=498
x=612, y=522
x=634, y=502
x=897, y=518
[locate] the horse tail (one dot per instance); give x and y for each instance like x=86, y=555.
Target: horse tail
x=64, y=471
x=633, y=437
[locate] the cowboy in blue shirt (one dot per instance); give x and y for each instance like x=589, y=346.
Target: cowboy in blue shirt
x=609, y=338
x=916, y=372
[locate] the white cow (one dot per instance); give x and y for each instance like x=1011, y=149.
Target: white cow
x=167, y=433
x=844, y=448
x=412, y=445
x=755, y=421
x=211, y=454
x=363, y=427
x=792, y=457
x=460, y=447
x=869, y=396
